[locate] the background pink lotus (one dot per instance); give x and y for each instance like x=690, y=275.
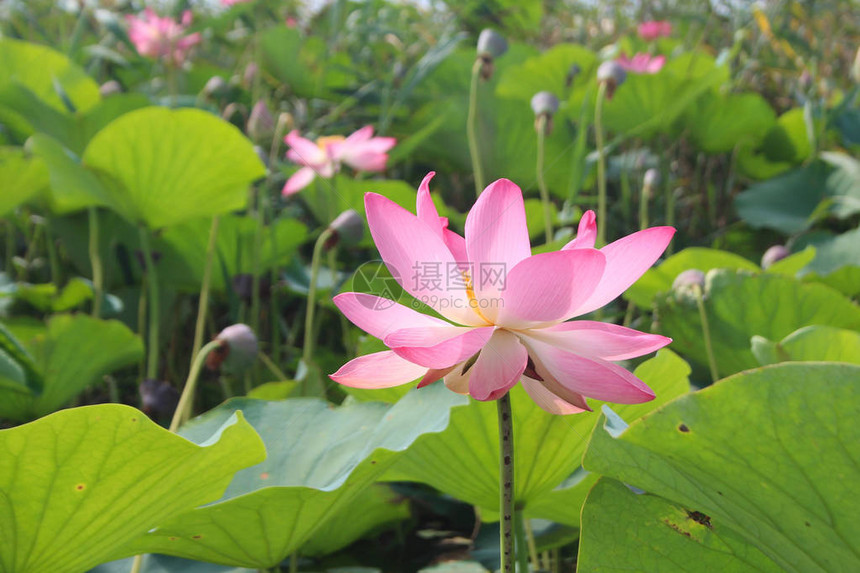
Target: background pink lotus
x=641, y=63
x=654, y=29
x=162, y=38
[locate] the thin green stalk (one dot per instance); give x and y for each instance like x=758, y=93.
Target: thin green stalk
x=670, y=215
x=203, y=303
x=10, y=247
x=294, y=563
x=183, y=409
x=526, y=548
x=506, y=483
x=136, y=564
x=308, y=349
x=256, y=254
x=601, y=167
x=273, y=368
x=643, y=207
x=706, y=333
x=141, y=324
x=472, y=129
x=96, y=262
x=546, y=562
x=544, y=192
x=154, y=305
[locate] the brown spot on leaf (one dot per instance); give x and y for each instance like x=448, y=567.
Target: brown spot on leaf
x=197, y=536
x=700, y=518
x=264, y=475
x=81, y=487
x=683, y=428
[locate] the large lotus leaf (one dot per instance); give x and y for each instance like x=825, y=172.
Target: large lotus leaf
x=808, y=344
x=305, y=65
x=163, y=167
x=626, y=531
x=184, y=246
x=548, y=72
x=463, y=460
x=21, y=177
x=660, y=278
x=377, y=507
x=717, y=123
x=786, y=144
x=79, y=483
x=837, y=260
x=167, y=564
x=72, y=186
x=843, y=183
x=74, y=352
x=740, y=305
x=320, y=458
x=768, y=461
x=48, y=74
x=649, y=104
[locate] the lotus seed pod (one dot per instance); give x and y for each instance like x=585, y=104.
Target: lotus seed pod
x=238, y=350
x=652, y=178
x=110, y=88
x=544, y=103
x=774, y=254
x=348, y=228
x=687, y=280
x=491, y=44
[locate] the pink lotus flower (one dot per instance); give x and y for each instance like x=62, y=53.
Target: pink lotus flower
x=163, y=38
x=361, y=151
x=233, y=2
x=506, y=309
x=641, y=63
x=655, y=29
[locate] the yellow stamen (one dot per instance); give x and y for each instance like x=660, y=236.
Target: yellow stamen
x=324, y=142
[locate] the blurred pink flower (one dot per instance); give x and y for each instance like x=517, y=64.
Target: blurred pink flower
x=655, y=29
x=233, y=2
x=641, y=63
x=506, y=309
x=361, y=151
x=162, y=38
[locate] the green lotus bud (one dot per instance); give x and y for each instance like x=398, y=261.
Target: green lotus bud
x=261, y=124
x=774, y=254
x=215, y=87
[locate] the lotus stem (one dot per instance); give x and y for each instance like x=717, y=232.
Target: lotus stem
x=308, y=348
x=472, y=129
x=601, y=166
x=136, y=564
x=524, y=543
x=706, y=333
x=643, y=207
x=203, y=303
x=154, y=305
x=54, y=261
x=256, y=254
x=544, y=192
x=273, y=368
x=96, y=262
x=506, y=483
x=183, y=409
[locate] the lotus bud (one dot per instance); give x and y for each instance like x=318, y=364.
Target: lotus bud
x=110, y=88
x=612, y=74
x=261, y=124
x=688, y=282
x=773, y=254
x=237, y=352
x=491, y=45
x=215, y=87
x=347, y=228
x=574, y=71
x=157, y=398
x=544, y=104
x=250, y=73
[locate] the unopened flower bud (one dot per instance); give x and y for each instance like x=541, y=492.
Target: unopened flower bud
x=612, y=74
x=544, y=104
x=250, y=73
x=491, y=44
x=348, y=228
x=651, y=179
x=157, y=398
x=261, y=124
x=688, y=281
x=774, y=254
x=238, y=350
x=110, y=88
x=215, y=87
